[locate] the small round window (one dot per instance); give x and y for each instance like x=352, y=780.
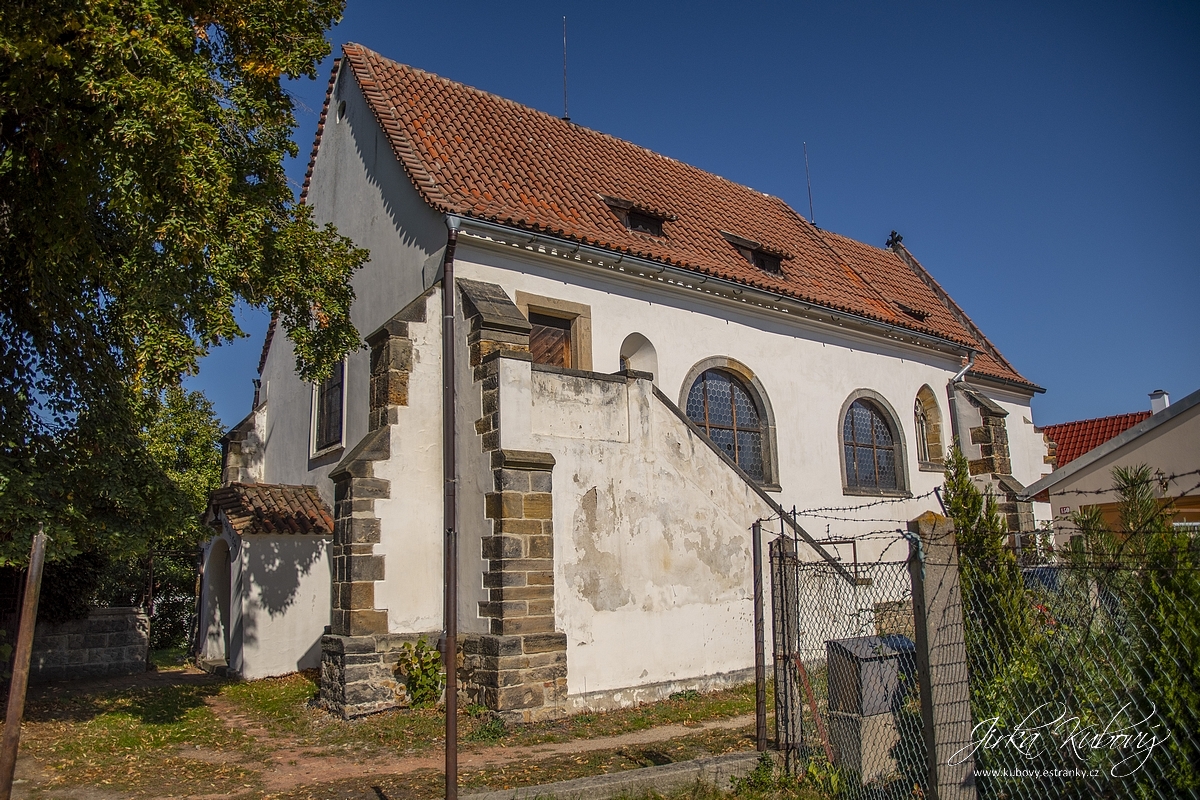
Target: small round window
x=724, y=408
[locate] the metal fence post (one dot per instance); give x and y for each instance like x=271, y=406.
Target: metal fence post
x=760, y=666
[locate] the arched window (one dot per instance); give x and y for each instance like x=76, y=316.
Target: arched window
x=725, y=409
x=929, y=430
x=870, y=448
x=922, y=431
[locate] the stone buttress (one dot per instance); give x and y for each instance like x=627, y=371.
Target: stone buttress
x=359, y=656
x=518, y=668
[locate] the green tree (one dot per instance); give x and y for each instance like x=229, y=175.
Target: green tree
x=1148, y=575
x=142, y=197
x=181, y=435
x=992, y=589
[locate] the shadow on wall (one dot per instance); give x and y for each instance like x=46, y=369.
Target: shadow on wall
x=400, y=198
x=276, y=568
x=637, y=353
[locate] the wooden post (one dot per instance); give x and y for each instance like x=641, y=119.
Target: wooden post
x=20, y=677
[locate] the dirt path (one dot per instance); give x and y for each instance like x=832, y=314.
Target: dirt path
x=292, y=765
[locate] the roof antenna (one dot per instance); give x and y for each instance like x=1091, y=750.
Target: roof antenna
x=566, y=116
x=808, y=175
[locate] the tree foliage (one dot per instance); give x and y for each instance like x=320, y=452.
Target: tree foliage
x=991, y=583
x=177, y=451
x=1153, y=571
x=142, y=197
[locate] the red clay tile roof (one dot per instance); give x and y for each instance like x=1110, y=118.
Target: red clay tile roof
x=1077, y=438
x=479, y=155
x=271, y=508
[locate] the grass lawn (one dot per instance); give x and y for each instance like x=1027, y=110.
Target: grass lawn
x=180, y=733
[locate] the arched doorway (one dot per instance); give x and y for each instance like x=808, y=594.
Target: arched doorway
x=215, y=645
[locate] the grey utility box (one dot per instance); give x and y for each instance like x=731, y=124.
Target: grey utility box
x=869, y=675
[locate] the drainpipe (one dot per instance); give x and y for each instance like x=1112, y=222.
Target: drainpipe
x=449, y=513
x=952, y=395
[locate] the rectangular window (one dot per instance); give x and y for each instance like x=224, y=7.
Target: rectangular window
x=550, y=340
x=328, y=428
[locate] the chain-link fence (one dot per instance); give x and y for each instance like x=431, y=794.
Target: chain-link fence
x=1085, y=671
x=847, y=710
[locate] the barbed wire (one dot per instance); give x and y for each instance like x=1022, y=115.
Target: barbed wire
x=810, y=512
x=1161, y=479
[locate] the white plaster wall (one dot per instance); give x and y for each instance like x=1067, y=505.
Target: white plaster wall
x=215, y=591
x=285, y=603
x=807, y=370
x=1026, y=446
x=359, y=186
x=411, y=519
x=653, y=578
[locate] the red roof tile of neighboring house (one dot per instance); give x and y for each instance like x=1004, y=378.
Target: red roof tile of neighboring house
x=271, y=508
x=478, y=155
x=1073, y=439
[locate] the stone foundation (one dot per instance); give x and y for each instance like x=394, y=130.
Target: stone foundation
x=111, y=641
x=360, y=674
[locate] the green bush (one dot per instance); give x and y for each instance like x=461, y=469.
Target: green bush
x=421, y=666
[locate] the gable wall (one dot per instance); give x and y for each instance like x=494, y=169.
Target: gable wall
x=1172, y=447
x=359, y=186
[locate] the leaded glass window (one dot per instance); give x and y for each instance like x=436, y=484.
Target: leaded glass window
x=723, y=406
x=870, y=448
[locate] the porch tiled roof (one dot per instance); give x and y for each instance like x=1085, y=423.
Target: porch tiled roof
x=1076, y=438
x=271, y=508
x=478, y=155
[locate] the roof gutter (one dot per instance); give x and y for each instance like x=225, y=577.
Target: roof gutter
x=737, y=291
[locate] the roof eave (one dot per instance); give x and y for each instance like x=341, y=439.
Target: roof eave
x=615, y=257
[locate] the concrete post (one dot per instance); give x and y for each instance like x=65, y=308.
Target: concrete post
x=941, y=656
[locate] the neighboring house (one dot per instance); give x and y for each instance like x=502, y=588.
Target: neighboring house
x=1167, y=440
x=648, y=358
x=1073, y=439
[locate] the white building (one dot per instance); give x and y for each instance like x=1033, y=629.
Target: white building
x=649, y=358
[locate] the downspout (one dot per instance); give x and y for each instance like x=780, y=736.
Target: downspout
x=952, y=395
x=449, y=513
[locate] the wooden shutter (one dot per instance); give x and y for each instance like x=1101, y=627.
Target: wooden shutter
x=550, y=340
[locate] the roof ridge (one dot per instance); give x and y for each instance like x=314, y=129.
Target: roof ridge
x=508, y=101
x=1142, y=413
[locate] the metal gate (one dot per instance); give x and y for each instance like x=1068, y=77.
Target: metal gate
x=847, y=710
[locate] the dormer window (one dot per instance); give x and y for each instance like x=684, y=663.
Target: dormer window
x=637, y=218
x=765, y=261
x=643, y=223
x=756, y=253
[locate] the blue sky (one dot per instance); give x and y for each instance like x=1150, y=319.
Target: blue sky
x=1041, y=160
